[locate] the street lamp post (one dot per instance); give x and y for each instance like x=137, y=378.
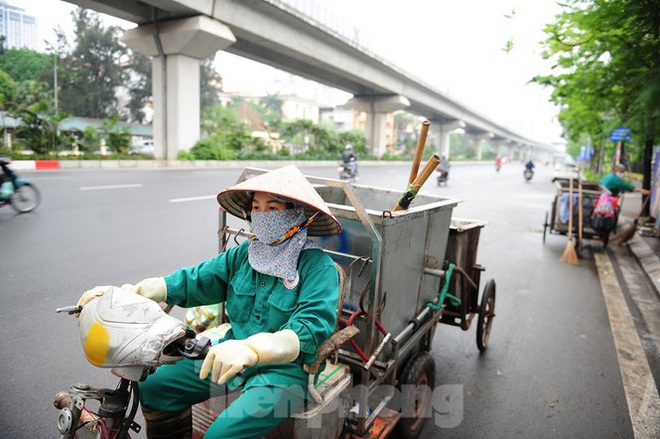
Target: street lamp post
x=55, y=80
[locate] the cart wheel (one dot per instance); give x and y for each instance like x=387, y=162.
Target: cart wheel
x=545, y=226
x=486, y=315
x=419, y=374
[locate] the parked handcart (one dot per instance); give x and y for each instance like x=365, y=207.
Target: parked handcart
x=557, y=219
x=402, y=273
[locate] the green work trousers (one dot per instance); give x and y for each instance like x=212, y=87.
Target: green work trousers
x=175, y=387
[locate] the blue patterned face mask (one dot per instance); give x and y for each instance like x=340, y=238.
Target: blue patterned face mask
x=279, y=260
x=270, y=226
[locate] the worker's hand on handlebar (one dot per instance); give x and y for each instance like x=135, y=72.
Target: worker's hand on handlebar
x=232, y=356
x=228, y=359
x=153, y=288
x=92, y=294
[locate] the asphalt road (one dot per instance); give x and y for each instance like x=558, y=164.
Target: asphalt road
x=550, y=370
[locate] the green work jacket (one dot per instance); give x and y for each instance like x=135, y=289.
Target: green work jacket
x=256, y=302
x=616, y=184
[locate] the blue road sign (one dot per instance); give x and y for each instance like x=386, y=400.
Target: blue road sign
x=621, y=133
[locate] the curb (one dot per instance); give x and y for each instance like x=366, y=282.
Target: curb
x=32, y=165
x=648, y=259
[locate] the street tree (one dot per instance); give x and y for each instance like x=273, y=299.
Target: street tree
x=24, y=64
x=138, y=83
x=607, y=71
x=210, y=84
x=90, y=70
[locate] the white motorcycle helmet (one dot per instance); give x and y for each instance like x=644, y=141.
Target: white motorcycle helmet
x=127, y=332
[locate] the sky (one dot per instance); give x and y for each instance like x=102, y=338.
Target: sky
x=456, y=47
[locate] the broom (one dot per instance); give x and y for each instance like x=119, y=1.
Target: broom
x=570, y=256
x=629, y=232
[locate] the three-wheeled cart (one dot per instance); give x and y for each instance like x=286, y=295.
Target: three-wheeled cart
x=401, y=272
x=556, y=220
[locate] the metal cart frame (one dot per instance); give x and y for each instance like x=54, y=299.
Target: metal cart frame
x=591, y=190
x=395, y=265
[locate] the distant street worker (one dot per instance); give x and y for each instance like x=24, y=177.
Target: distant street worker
x=615, y=183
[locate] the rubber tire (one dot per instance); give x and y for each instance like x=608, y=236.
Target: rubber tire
x=486, y=315
x=418, y=371
x=545, y=226
x=31, y=192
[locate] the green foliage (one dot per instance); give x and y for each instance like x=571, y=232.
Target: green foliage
x=138, y=82
x=25, y=64
x=607, y=70
x=271, y=111
x=91, y=71
x=7, y=88
x=212, y=149
x=90, y=139
x=210, y=84
x=118, y=139
x=185, y=155
x=39, y=134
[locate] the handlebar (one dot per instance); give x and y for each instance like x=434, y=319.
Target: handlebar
x=189, y=346
x=70, y=309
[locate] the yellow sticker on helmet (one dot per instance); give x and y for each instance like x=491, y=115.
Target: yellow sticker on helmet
x=97, y=344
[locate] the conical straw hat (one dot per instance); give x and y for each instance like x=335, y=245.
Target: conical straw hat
x=287, y=182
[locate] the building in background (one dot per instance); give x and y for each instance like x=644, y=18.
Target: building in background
x=18, y=28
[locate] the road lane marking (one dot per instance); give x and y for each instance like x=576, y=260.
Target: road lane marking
x=114, y=186
x=638, y=383
x=184, y=200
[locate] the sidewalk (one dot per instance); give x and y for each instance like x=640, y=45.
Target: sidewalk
x=630, y=283
x=647, y=252
x=645, y=249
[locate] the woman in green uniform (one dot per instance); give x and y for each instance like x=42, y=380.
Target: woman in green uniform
x=615, y=183
x=280, y=293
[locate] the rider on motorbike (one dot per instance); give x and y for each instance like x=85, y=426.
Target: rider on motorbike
x=443, y=166
x=350, y=159
x=529, y=165
x=280, y=293
x=498, y=163
x=8, y=176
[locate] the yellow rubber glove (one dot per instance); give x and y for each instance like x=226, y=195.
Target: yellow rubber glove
x=95, y=292
x=153, y=288
x=232, y=356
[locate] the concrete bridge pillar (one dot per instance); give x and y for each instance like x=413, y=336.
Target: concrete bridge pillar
x=478, y=141
x=377, y=109
x=439, y=132
x=176, y=48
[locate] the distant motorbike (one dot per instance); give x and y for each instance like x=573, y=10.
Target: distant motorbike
x=346, y=174
x=19, y=193
x=528, y=174
x=443, y=176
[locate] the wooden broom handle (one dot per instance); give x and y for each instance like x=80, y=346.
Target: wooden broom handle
x=423, y=176
x=570, y=208
x=419, y=151
x=580, y=219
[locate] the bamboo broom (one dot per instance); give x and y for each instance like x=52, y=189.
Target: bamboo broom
x=629, y=232
x=569, y=256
